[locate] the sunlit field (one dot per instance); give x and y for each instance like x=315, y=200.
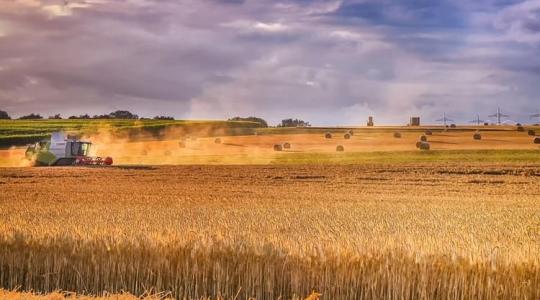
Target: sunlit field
x=349, y=231
x=204, y=146
x=202, y=216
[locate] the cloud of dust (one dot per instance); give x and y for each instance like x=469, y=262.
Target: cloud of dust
x=14, y=157
x=198, y=144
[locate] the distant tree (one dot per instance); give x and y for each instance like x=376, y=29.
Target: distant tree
x=85, y=116
x=55, y=117
x=162, y=118
x=4, y=115
x=101, y=117
x=294, y=123
x=262, y=122
x=123, y=114
x=31, y=116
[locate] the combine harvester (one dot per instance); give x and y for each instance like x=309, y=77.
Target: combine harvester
x=62, y=150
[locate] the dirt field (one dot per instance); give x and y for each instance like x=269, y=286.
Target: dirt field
x=347, y=231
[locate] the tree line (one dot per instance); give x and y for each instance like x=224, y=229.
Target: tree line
x=127, y=115
x=119, y=114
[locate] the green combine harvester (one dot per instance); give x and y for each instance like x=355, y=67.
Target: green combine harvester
x=62, y=150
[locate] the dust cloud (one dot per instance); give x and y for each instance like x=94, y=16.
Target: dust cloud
x=14, y=157
x=176, y=145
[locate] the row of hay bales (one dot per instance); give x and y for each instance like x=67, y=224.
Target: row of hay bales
x=280, y=147
x=327, y=135
x=398, y=135
x=421, y=144
x=536, y=138
x=530, y=132
x=346, y=136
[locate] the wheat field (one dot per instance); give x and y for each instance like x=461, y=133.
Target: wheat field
x=461, y=231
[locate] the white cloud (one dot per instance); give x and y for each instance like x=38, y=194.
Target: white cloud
x=520, y=22
x=211, y=59
x=270, y=27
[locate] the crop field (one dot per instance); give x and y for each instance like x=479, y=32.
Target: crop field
x=195, y=215
x=184, y=147
x=407, y=231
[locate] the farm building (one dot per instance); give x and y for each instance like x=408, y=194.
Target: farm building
x=370, y=122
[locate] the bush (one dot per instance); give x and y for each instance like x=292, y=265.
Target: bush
x=55, y=117
x=4, y=115
x=262, y=122
x=31, y=116
x=294, y=123
x=163, y=118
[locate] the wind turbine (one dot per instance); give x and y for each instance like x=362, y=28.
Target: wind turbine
x=477, y=120
x=444, y=119
x=498, y=115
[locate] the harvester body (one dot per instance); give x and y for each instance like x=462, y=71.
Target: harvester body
x=63, y=151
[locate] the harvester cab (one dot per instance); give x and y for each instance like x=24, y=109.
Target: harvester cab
x=62, y=150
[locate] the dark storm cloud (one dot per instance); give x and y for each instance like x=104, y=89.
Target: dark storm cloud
x=331, y=62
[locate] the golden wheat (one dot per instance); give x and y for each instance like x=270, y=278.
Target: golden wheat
x=265, y=232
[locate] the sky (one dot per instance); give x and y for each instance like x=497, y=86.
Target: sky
x=331, y=62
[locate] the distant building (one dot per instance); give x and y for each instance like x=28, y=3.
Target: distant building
x=415, y=121
x=370, y=121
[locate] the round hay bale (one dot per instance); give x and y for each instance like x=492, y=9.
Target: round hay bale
x=167, y=153
x=537, y=140
x=520, y=129
x=477, y=136
x=424, y=146
x=418, y=144
x=328, y=135
x=531, y=132
x=217, y=141
x=278, y=147
x=423, y=138
x=286, y=146
x=397, y=135
x=340, y=148
x=347, y=136
x=453, y=126
x=428, y=132
x=350, y=132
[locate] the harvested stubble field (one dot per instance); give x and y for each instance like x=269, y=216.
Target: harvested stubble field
x=310, y=146
x=408, y=231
